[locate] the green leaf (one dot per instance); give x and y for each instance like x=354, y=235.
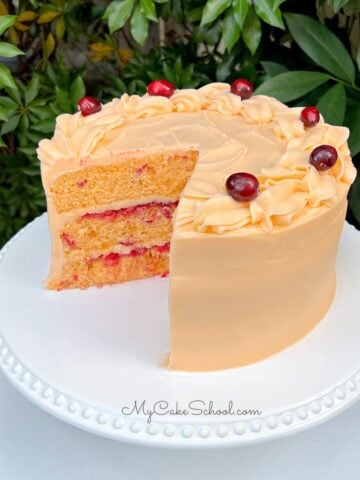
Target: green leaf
x=120, y=13
x=353, y=6
x=352, y=120
x=2, y=143
x=8, y=50
x=39, y=113
x=7, y=108
x=273, y=68
x=177, y=68
x=354, y=199
x=187, y=75
x=3, y=114
x=137, y=87
x=332, y=104
x=169, y=74
x=148, y=7
x=6, y=80
x=176, y=12
x=252, y=31
x=7, y=103
x=139, y=25
x=63, y=100
x=194, y=15
x=6, y=21
x=225, y=68
x=109, y=9
x=32, y=90
x=358, y=59
x=46, y=126
x=35, y=137
x=321, y=45
x=28, y=151
x=77, y=90
x=337, y=5
x=23, y=126
x=40, y=102
x=15, y=94
x=230, y=30
x=60, y=28
x=213, y=9
x=48, y=13
x=292, y=85
x=155, y=75
x=209, y=35
x=11, y=124
x=268, y=11
x=240, y=8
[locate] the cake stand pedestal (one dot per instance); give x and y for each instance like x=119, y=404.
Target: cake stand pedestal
x=91, y=358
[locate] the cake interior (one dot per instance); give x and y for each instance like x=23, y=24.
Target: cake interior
x=102, y=240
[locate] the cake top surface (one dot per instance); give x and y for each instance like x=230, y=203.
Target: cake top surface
x=260, y=135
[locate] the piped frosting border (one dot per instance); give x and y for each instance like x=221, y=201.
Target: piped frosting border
x=289, y=190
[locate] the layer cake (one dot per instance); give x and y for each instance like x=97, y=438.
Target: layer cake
x=144, y=180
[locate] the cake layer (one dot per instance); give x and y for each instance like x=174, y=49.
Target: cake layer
x=164, y=174
x=80, y=271
x=146, y=224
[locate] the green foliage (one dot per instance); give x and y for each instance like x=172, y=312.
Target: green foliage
x=231, y=31
x=6, y=79
x=53, y=52
x=337, y=5
x=7, y=50
x=352, y=120
x=240, y=11
x=6, y=21
x=118, y=14
x=252, y=31
x=322, y=46
x=289, y=86
x=332, y=104
x=139, y=25
x=269, y=12
x=213, y=9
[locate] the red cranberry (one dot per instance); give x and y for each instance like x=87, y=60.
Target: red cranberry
x=111, y=259
x=88, y=106
x=161, y=88
x=243, y=88
x=310, y=116
x=323, y=157
x=67, y=240
x=242, y=187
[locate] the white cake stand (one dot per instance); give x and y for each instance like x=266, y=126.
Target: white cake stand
x=87, y=356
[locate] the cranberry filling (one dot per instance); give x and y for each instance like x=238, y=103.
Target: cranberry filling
x=112, y=259
x=141, y=169
x=67, y=240
x=82, y=183
x=166, y=209
x=162, y=248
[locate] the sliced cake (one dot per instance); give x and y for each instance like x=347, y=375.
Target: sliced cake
x=247, y=196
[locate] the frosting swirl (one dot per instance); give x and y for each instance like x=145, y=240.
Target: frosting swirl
x=284, y=196
x=290, y=188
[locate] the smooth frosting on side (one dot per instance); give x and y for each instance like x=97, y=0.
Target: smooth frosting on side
x=259, y=135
